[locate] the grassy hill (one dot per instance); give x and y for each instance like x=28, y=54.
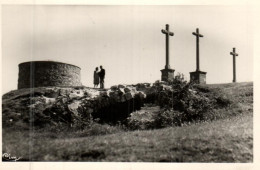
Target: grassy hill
x=228, y=139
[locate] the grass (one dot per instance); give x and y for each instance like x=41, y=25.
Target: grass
x=228, y=139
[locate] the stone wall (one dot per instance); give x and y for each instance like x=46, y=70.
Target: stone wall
x=48, y=73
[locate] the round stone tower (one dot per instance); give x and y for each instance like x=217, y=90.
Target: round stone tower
x=48, y=73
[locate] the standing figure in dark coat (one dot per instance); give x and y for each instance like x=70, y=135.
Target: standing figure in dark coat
x=96, y=78
x=102, y=77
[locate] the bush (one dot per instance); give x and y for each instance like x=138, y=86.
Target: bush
x=185, y=102
x=167, y=118
x=222, y=100
x=184, y=98
x=140, y=121
x=161, y=119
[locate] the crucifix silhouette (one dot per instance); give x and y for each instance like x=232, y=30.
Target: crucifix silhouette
x=198, y=35
x=198, y=76
x=167, y=72
x=234, y=54
x=167, y=34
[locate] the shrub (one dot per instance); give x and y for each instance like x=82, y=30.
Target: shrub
x=161, y=119
x=167, y=118
x=188, y=102
x=185, y=99
x=140, y=121
x=222, y=100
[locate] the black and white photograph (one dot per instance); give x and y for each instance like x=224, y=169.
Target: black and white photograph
x=127, y=83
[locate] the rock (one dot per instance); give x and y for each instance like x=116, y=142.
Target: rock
x=73, y=95
x=121, y=91
x=164, y=87
x=118, y=95
x=114, y=96
x=148, y=84
x=114, y=88
x=130, y=89
x=64, y=100
x=121, y=86
x=123, y=99
x=140, y=86
x=67, y=105
x=51, y=92
x=128, y=96
x=76, y=94
x=49, y=100
x=142, y=95
x=151, y=90
x=91, y=93
x=103, y=94
x=63, y=92
x=73, y=107
x=37, y=101
x=127, y=89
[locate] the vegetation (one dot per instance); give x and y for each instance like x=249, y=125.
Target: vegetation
x=194, y=123
x=186, y=103
x=228, y=140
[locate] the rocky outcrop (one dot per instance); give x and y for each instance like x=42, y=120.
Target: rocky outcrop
x=72, y=106
x=76, y=106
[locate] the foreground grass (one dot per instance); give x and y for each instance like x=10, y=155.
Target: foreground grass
x=229, y=140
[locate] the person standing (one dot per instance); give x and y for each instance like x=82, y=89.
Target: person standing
x=102, y=77
x=96, y=78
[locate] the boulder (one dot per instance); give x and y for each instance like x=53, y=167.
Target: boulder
x=121, y=86
x=104, y=94
x=114, y=88
x=142, y=95
x=73, y=107
x=127, y=89
x=121, y=91
x=52, y=93
x=63, y=92
x=128, y=96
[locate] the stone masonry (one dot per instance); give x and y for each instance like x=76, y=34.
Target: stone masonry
x=48, y=73
x=198, y=77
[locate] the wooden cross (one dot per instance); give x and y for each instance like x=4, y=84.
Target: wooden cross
x=167, y=34
x=234, y=54
x=198, y=35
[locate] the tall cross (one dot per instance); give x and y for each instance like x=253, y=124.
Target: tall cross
x=234, y=54
x=167, y=34
x=198, y=35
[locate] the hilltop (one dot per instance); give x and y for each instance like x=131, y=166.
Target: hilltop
x=222, y=134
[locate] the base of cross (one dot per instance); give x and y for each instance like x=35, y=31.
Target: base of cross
x=167, y=75
x=198, y=77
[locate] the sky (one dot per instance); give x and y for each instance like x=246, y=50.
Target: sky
x=127, y=40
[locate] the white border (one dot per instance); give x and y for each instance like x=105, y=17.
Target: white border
x=154, y=166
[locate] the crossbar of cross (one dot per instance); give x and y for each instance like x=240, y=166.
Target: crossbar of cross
x=234, y=54
x=198, y=35
x=167, y=34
